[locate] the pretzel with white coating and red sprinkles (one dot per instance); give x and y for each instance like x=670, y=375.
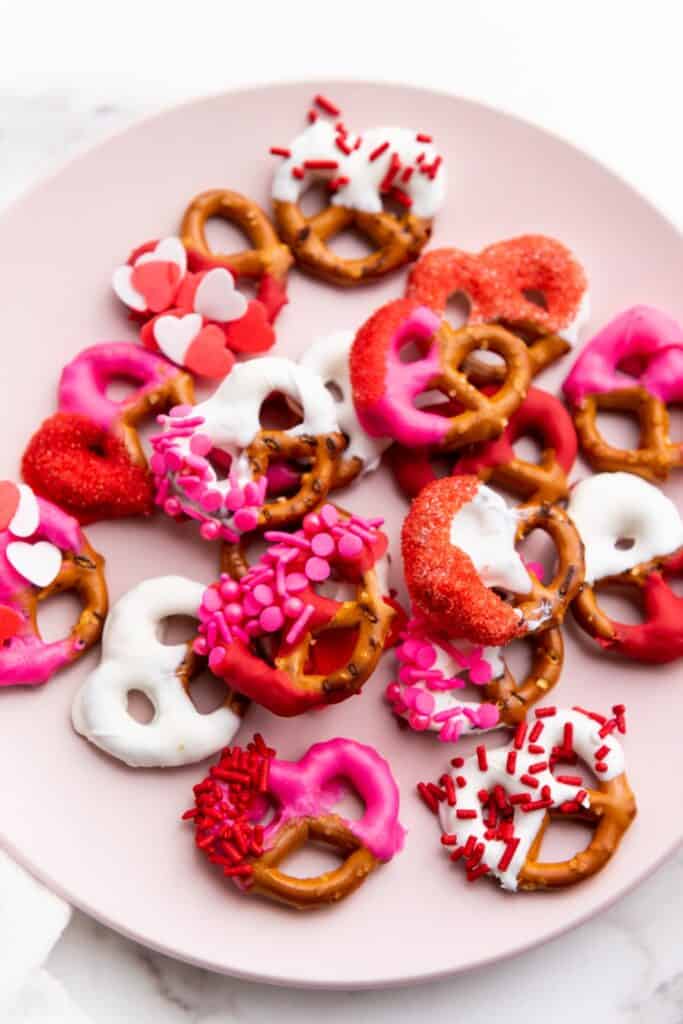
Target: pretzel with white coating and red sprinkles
x=361, y=171
x=496, y=805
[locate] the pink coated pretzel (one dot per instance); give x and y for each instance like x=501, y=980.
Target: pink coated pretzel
x=53, y=557
x=385, y=389
x=634, y=364
x=303, y=793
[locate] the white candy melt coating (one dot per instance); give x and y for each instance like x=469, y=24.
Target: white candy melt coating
x=484, y=528
x=609, y=507
x=134, y=658
x=317, y=142
x=572, y=332
x=26, y=519
x=329, y=358
x=586, y=742
x=167, y=250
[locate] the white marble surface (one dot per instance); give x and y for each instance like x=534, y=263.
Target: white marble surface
x=606, y=76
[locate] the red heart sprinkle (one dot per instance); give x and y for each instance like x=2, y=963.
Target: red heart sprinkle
x=207, y=355
x=252, y=332
x=158, y=282
x=9, y=500
x=10, y=621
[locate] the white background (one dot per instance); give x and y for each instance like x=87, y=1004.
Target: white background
x=606, y=75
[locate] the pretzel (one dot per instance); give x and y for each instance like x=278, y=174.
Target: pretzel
x=649, y=345
x=303, y=793
x=135, y=658
x=385, y=389
x=458, y=543
x=497, y=283
x=88, y=458
x=360, y=171
x=540, y=415
x=494, y=817
x=43, y=552
x=431, y=678
x=608, y=509
x=225, y=432
x=282, y=642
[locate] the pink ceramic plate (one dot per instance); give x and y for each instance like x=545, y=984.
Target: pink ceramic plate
x=109, y=838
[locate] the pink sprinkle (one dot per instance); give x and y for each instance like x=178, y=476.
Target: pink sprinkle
x=246, y=519
x=229, y=589
x=157, y=463
x=180, y=410
x=393, y=693
x=200, y=646
x=172, y=507
x=271, y=619
x=216, y=657
x=296, y=582
x=251, y=605
x=424, y=703
x=252, y=494
x=329, y=515
x=210, y=530
x=173, y=461
x=292, y=607
x=445, y=716
x=311, y=524
x=263, y=594
x=211, y=599
x=317, y=569
x=350, y=546
x=323, y=545
x=211, y=500
x=233, y=613
x=299, y=626
x=211, y=633
x=425, y=656
x=234, y=499
x=487, y=716
x=162, y=490
x=200, y=444
x=418, y=722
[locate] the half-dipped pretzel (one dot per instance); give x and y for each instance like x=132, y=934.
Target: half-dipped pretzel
x=43, y=552
x=224, y=435
x=262, y=632
x=502, y=284
x=635, y=365
x=231, y=800
x=428, y=690
x=385, y=389
x=458, y=543
x=88, y=458
x=496, y=806
x=135, y=658
x=633, y=539
x=540, y=415
x=360, y=171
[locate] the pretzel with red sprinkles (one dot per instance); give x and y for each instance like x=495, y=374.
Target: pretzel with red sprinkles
x=495, y=807
x=540, y=415
x=502, y=284
x=458, y=544
x=361, y=172
x=231, y=800
x=277, y=637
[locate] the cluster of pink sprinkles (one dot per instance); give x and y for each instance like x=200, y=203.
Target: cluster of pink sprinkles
x=397, y=170
x=274, y=596
x=497, y=806
x=409, y=695
x=182, y=458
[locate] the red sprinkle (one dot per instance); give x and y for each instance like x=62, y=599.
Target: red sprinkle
x=422, y=137
x=448, y=839
x=401, y=197
x=529, y=780
x=535, y=732
x=280, y=151
x=312, y=116
x=520, y=735
x=327, y=105
x=570, y=780
x=460, y=781
x=601, y=767
x=297, y=172
x=508, y=854
x=546, y=712
x=469, y=846
x=482, y=758
x=407, y=174
x=457, y=762
x=581, y=796
x=602, y=753
x=607, y=728
x=427, y=797
x=538, y=766
x=536, y=748
x=511, y=762
x=465, y=813
x=321, y=165
x=483, y=796
x=447, y=783
x=473, y=875
x=521, y=798
x=377, y=152
x=590, y=714
x=341, y=144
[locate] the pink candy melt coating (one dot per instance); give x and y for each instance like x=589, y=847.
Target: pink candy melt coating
x=309, y=789
x=641, y=333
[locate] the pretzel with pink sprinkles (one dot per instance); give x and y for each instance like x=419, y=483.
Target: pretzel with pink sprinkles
x=278, y=638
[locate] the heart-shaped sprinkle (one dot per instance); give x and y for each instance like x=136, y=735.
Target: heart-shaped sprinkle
x=122, y=283
x=9, y=502
x=27, y=516
x=207, y=355
x=10, y=621
x=252, y=333
x=217, y=298
x=157, y=283
x=168, y=250
x=174, y=334
x=38, y=563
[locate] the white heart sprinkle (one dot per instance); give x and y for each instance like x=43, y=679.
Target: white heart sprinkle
x=217, y=298
x=27, y=516
x=38, y=563
x=173, y=335
x=168, y=250
x=122, y=285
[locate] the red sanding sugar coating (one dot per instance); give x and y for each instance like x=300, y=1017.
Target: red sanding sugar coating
x=497, y=281
x=442, y=581
x=369, y=351
x=85, y=470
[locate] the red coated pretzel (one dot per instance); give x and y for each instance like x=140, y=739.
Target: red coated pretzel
x=540, y=415
x=446, y=587
x=498, y=283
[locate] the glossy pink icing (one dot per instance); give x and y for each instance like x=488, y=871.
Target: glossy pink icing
x=310, y=787
x=394, y=414
x=25, y=659
x=83, y=384
x=644, y=336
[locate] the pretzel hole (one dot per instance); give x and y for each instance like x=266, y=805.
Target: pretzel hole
x=536, y=296
x=314, y=199
x=177, y=629
x=207, y=693
x=563, y=839
x=119, y=388
x=624, y=543
x=57, y=614
x=539, y=554
x=619, y=428
x=279, y=412
x=458, y=309
x=351, y=244
x=410, y=352
x=312, y=859
x=621, y=604
x=519, y=659
x=335, y=390
x=140, y=707
x=528, y=448
x=224, y=235
x=346, y=800
x=331, y=650
x=675, y=411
